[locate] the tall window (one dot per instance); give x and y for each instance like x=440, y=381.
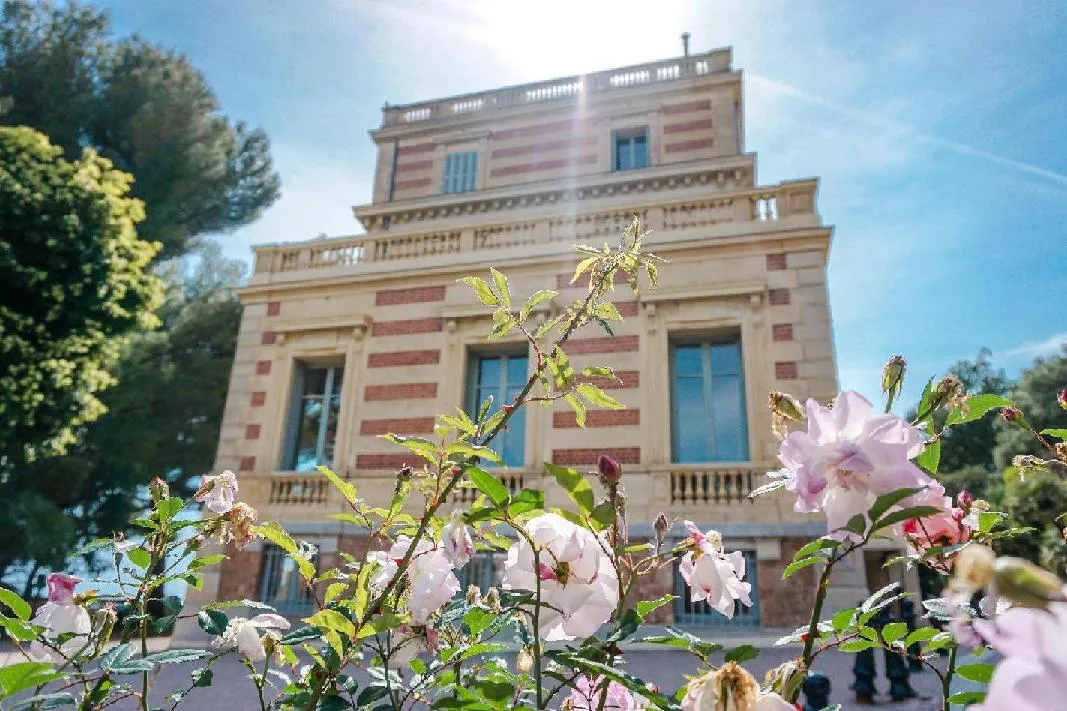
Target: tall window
x=631, y=149
x=280, y=585
x=708, y=421
x=502, y=377
x=313, y=419
x=461, y=172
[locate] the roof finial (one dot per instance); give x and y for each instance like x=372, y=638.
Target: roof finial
x=685, y=43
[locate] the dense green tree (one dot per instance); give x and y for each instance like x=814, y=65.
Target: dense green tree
x=163, y=419
x=1035, y=394
x=971, y=445
x=73, y=283
x=148, y=110
x=1035, y=502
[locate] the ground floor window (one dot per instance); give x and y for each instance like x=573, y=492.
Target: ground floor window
x=701, y=614
x=281, y=586
x=484, y=570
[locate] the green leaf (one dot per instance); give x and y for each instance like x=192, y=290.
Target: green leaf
x=857, y=524
x=603, y=514
x=975, y=407
x=533, y=301
x=894, y=631
x=887, y=501
x=857, y=645
x=490, y=486
x=842, y=619
x=202, y=677
x=599, y=371
x=583, y=266
x=118, y=660
x=576, y=486
x=815, y=546
x=479, y=619
x=177, y=656
x=988, y=519
x=598, y=397
x=17, y=605
x=967, y=698
x=17, y=677
x=19, y=630
x=40, y=702
x=213, y=622
x=301, y=634
x=502, y=289
x=906, y=515
x=207, y=560
x=347, y=488
x=167, y=508
x=800, y=565
x=577, y=406
x=481, y=290
x=274, y=533
x=332, y=591
x=527, y=500
x=742, y=654
x=647, y=606
x=472, y=450
x=923, y=634
x=419, y=445
x=139, y=557
x=608, y=312
x=1062, y=434
x=930, y=457
x=981, y=672
x=503, y=323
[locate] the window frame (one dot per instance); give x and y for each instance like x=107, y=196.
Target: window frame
x=334, y=370
x=300, y=600
x=629, y=135
x=463, y=176
x=471, y=386
x=706, y=341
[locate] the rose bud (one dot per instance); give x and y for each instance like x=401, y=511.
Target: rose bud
x=610, y=471
x=893, y=375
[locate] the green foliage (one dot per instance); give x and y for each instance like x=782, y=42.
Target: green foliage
x=163, y=419
x=1035, y=395
x=1036, y=502
x=74, y=284
x=146, y=109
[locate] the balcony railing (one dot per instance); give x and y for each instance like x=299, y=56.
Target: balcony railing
x=566, y=88
x=714, y=485
x=744, y=211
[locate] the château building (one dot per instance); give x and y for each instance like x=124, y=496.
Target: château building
x=348, y=338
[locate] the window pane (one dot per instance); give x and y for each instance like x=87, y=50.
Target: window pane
x=513, y=445
x=690, y=420
x=331, y=430
x=726, y=359
x=305, y=457
x=517, y=371
x=640, y=148
x=689, y=360
x=314, y=381
x=731, y=438
x=489, y=372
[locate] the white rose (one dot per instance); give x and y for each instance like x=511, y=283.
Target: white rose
x=218, y=493
x=457, y=542
x=244, y=634
x=579, y=585
x=713, y=575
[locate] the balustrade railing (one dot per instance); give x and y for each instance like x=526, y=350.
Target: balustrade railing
x=724, y=485
x=299, y=489
x=514, y=481
x=563, y=88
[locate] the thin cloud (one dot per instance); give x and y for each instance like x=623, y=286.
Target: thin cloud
x=1050, y=346
x=905, y=130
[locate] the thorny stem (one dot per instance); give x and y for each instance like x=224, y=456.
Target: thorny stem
x=538, y=686
x=946, y=680
x=816, y=614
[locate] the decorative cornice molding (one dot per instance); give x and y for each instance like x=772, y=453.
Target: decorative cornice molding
x=358, y=324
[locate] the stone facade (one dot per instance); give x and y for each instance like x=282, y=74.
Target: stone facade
x=384, y=307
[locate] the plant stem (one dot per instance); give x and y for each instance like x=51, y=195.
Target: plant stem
x=537, y=631
x=261, y=682
x=143, y=607
x=816, y=613
x=946, y=682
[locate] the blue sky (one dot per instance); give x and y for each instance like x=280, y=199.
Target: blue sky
x=938, y=128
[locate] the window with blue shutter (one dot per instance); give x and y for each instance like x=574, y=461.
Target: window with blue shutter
x=502, y=377
x=708, y=421
x=631, y=149
x=461, y=172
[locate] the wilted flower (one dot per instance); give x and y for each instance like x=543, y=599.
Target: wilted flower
x=784, y=407
x=893, y=375
x=60, y=615
x=456, y=540
x=218, y=493
x=243, y=634
x=586, y=695
x=849, y=456
x=730, y=688
x=239, y=526
x=609, y=469
x=578, y=583
x=1012, y=414
x=949, y=393
x=1032, y=674
x=158, y=490
x=713, y=575
x=1061, y=398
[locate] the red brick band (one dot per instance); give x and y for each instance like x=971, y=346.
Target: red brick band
x=418, y=295
x=398, y=425
x=400, y=391
x=581, y=457
x=598, y=418
x=406, y=327
x=403, y=358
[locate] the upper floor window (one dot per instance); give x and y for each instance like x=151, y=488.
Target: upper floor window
x=502, y=377
x=631, y=148
x=316, y=405
x=708, y=422
x=461, y=172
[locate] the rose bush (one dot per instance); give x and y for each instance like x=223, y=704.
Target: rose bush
x=568, y=599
